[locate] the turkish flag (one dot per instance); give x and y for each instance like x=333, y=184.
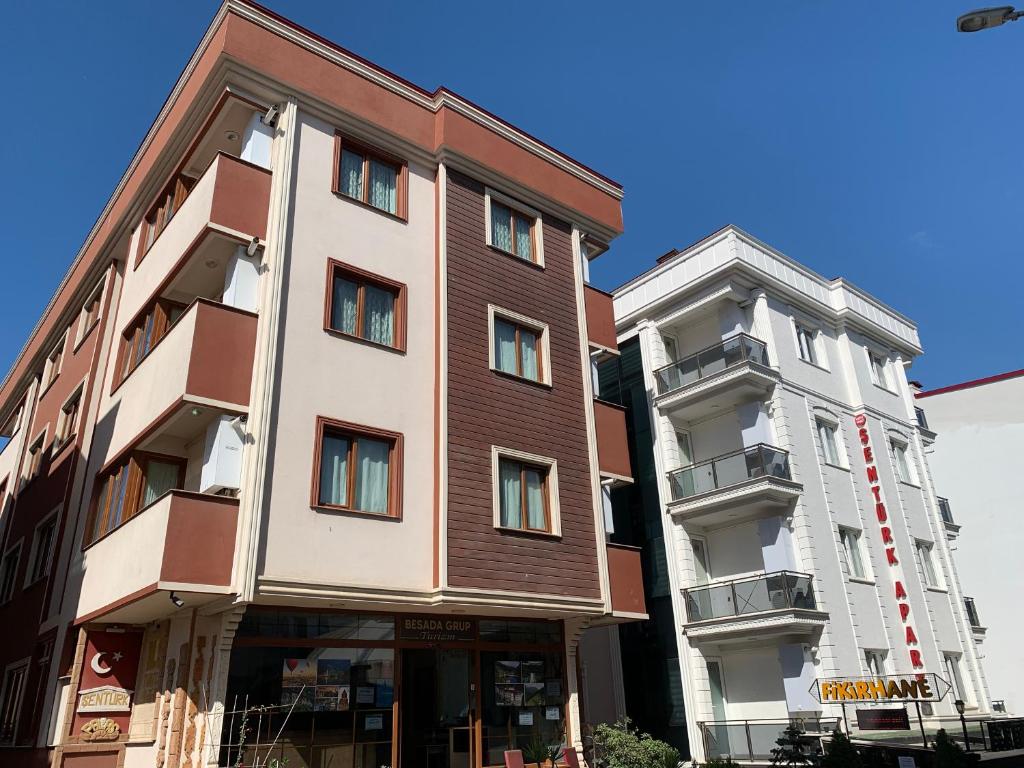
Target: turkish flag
x=111, y=658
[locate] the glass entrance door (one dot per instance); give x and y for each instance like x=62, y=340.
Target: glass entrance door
x=437, y=708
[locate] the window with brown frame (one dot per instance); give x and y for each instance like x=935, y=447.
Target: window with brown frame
x=42, y=546
x=140, y=338
x=90, y=313
x=9, y=572
x=125, y=489
x=163, y=210
x=12, y=691
x=518, y=349
x=34, y=460
x=370, y=176
x=67, y=421
x=365, y=306
x=53, y=363
x=358, y=469
x=512, y=231
x=524, y=496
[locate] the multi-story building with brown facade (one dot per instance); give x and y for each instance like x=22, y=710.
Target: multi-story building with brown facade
x=304, y=459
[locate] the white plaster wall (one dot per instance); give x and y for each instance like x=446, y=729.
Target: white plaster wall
x=735, y=551
x=324, y=375
x=753, y=685
x=716, y=436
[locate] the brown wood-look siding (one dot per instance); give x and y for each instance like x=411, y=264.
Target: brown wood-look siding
x=486, y=408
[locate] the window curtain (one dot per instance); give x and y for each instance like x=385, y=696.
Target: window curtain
x=535, y=500
x=372, y=476
x=351, y=181
x=383, y=187
x=343, y=306
x=334, y=471
x=505, y=346
x=511, y=494
x=528, y=352
x=120, y=489
x=379, y=315
x=501, y=226
x=524, y=238
x=161, y=477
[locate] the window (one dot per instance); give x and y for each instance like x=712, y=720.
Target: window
x=875, y=662
x=10, y=700
x=90, y=313
x=926, y=564
x=42, y=547
x=525, y=492
x=53, y=363
x=850, y=540
x=365, y=306
x=951, y=661
x=900, y=461
x=671, y=349
x=829, y=443
x=513, y=228
x=34, y=459
x=358, y=469
x=879, y=365
x=160, y=215
x=130, y=486
x=144, y=334
x=519, y=346
x=67, y=421
x=370, y=176
x=805, y=341
x=9, y=572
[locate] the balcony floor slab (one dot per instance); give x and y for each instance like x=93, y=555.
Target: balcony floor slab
x=735, y=503
x=766, y=626
x=725, y=389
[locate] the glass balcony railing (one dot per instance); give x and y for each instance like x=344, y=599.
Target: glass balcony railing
x=972, y=612
x=731, y=469
x=756, y=594
x=754, y=740
x=944, y=511
x=734, y=350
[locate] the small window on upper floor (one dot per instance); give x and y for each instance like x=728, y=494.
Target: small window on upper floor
x=519, y=346
x=9, y=572
x=90, y=313
x=34, y=458
x=927, y=564
x=128, y=487
x=875, y=661
x=829, y=442
x=370, y=176
x=851, y=542
x=806, y=341
x=53, y=365
x=879, y=369
x=12, y=694
x=901, y=461
x=42, y=549
x=168, y=202
x=358, y=469
x=366, y=306
x=67, y=420
x=145, y=332
x=513, y=228
x=525, y=492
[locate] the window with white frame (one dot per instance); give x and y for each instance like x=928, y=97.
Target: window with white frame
x=900, y=460
x=850, y=539
x=90, y=313
x=42, y=549
x=67, y=419
x=875, y=662
x=519, y=346
x=53, y=364
x=829, y=442
x=513, y=228
x=926, y=564
x=525, y=492
x=11, y=694
x=806, y=342
x=879, y=368
x=9, y=572
x=951, y=661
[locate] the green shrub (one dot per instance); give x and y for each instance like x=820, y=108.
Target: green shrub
x=840, y=753
x=793, y=749
x=949, y=754
x=622, y=746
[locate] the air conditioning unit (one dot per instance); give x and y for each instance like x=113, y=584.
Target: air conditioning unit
x=222, y=456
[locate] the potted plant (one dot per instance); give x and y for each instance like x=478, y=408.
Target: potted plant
x=541, y=754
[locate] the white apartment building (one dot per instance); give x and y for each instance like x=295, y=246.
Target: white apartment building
x=978, y=427
x=802, y=534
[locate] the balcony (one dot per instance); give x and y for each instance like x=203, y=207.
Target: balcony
x=612, y=444
x=600, y=320
x=780, y=603
x=922, y=424
x=725, y=375
x=625, y=579
x=972, y=618
x=183, y=542
x=205, y=359
x=733, y=487
x=946, y=513
x=753, y=740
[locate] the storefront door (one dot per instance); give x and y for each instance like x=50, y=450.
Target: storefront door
x=437, y=708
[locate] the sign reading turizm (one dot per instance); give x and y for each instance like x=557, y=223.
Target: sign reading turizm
x=922, y=686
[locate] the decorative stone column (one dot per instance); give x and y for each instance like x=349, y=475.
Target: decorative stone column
x=573, y=726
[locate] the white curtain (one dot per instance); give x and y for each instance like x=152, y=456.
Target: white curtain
x=383, y=187
x=535, y=500
x=505, y=346
x=334, y=471
x=501, y=226
x=511, y=494
x=351, y=182
x=161, y=477
x=372, y=476
x=524, y=240
x=379, y=315
x=528, y=351
x=343, y=306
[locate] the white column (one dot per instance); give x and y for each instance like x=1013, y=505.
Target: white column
x=761, y=325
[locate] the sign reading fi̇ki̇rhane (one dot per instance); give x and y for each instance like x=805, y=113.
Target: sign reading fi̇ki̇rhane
x=921, y=686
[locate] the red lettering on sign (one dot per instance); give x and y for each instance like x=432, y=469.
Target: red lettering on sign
x=904, y=611
x=911, y=637
x=860, y=419
x=880, y=512
x=877, y=492
x=901, y=593
x=890, y=555
x=886, y=535
x=915, y=658
x=872, y=474
x=869, y=457
x=864, y=439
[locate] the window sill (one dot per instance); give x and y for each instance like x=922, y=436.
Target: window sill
x=862, y=580
x=884, y=388
x=528, y=533
x=85, y=335
x=528, y=262
x=397, y=518
x=523, y=379
x=940, y=590
x=393, y=216
x=43, y=392
x=836, y=466
x=819, y=366
x=361, y=340
x=910, y=483
x=57, y=450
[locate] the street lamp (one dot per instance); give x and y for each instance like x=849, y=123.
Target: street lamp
x=959, y=704
x=985, y=18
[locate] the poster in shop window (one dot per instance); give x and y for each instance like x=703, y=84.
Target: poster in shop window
x=507, y=672
x=533, y=695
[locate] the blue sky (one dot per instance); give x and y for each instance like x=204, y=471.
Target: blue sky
x=886, y=153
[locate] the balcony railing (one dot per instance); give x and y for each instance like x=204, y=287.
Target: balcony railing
x=731, y=469
x=972, y=612
x=756, y=594
x=733, y=351
x=922, y=420
x=754, y=739
x=945, y=512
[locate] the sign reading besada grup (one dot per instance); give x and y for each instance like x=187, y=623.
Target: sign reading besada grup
x=920, y=686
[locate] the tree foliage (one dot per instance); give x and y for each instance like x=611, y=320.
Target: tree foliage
x=623, y=746
x=793, y=749
x=840, y=753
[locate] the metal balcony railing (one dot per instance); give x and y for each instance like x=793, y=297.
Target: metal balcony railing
x=755, y=594
x=972, y=612
x=740, y=348
x=754, y=740
x=944, y=511
x=759, y=460
x=922, y=420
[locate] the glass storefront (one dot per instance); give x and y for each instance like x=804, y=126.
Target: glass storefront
x=344, y=690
